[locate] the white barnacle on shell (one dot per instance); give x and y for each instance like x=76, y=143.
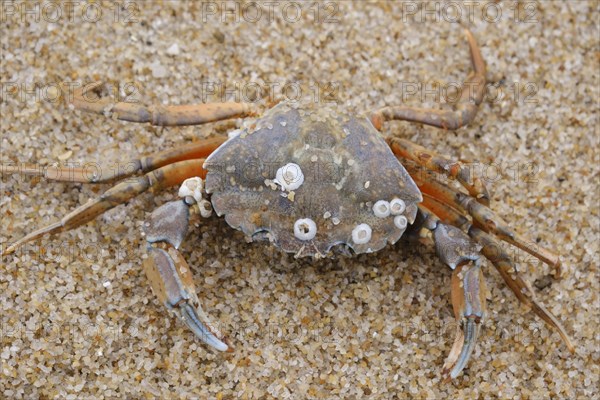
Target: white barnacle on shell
x=361, y=234
x=400, y=221
x=397, y=206
x=205, y=208
x=192, y=187
x=289, y=177
x=381, y=209
x=305, y=229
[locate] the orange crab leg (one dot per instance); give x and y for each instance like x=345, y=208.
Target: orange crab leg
x=484, y=217
x=472, y=93
x=89, y=99
x=493, y=251
x=170, y=175
x=446, y=213
x=103, y=174
x=441, y=164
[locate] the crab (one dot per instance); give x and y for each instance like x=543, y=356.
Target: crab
x=316, y=182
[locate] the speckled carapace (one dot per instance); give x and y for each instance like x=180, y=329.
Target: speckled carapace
x=341, y=159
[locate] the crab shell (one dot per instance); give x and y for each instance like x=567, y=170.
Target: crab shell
x=347, y=168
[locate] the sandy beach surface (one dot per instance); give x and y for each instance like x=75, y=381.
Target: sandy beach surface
x=78, y=319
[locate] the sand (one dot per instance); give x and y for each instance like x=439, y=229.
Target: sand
x=78, y=319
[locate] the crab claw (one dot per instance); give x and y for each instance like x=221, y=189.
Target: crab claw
x=169, y=274
x=468, y=300
x=171, y=280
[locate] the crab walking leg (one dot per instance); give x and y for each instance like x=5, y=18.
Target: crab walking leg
x=483, y=216
x=493, y=251
x=169, y=274
x=170, y=175
x=472, y=92
x=93, y=173
x=89, y=99
x=441, y=164
x=446, y=213
x=468, y=290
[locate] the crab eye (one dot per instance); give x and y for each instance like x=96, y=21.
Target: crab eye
x=290, y=176
x=381, y=209
x=305, y=229
x=397, y=206
x=361, y=234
